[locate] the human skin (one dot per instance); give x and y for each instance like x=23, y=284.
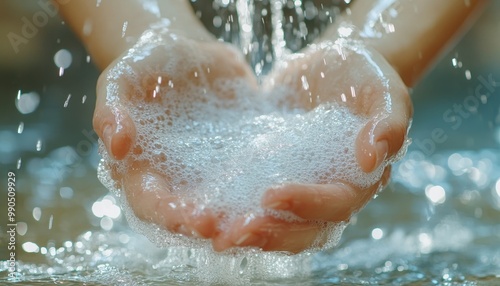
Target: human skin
x=402, y=56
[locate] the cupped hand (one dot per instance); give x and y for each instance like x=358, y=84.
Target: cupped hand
x=352, y=75
x=130, y=90
x=341, y=72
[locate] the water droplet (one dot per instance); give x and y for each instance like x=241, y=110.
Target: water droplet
x=30, y=247
x=19, y=161
x=84, y=97
x=124, y=28
x=305, y=84
x=37, y=213
x=67, y=100
x=435, y=194
x=20, y=128
x=63, y=59
x=39, y=145
x=27, y=102
x=51, y=220
x=106, y=223
x=66, y=192
x=468, y=75
x=87, y=27
x=377, y=233
x=22, y=228
x=217, y=21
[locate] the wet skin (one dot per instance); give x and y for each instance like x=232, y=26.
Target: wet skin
x=382, y=97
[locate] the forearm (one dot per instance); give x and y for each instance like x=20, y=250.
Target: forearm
x=410, y=34
x=114, y=26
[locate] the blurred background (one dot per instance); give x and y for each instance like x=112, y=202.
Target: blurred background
x=47, y=87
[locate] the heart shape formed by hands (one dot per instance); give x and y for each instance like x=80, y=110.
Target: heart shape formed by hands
x=195, y=143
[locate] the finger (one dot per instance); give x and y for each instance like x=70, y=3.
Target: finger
x=362, y=80
x=390, y=114
x=112, y=122
x=329, y=202
x=270, y=234
x=150, y=199
x=235, y=64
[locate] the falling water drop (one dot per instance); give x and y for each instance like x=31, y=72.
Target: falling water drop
x=63, y=59
x=19, y=163
x=37, y=213
x=124, y=28
x=20, y=128
x=456, y=62
x=84, y=98
x=27, y=102
x=50, y=221
x=39, y=145
x=468, y=75
x=67, y=100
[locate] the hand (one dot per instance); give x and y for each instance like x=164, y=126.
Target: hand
x=139, y=79
x=384, y=100
x=355, y=76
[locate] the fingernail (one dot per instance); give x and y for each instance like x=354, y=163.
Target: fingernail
x=279, y=205
x=382, y=149
x=250, y=239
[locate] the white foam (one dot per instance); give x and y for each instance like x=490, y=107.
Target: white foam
x=226, y=151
